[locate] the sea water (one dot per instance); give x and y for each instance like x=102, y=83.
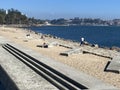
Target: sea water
x=102, y=35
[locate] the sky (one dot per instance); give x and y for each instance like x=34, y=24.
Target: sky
x=54, y=9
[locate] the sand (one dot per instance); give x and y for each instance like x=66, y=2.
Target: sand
x=91, y=64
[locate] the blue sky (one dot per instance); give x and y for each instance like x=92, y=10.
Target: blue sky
x=51, y=9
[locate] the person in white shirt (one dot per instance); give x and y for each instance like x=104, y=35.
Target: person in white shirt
x=82, y=41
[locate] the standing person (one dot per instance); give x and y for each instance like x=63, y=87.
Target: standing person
x=82, y=41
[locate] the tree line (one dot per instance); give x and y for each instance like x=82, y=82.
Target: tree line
x=13, y=16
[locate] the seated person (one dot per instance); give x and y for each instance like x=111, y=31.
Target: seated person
x=45, y=45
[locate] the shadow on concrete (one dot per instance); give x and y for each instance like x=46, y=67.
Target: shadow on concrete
x=6, y=81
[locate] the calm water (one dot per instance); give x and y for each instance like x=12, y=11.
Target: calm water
x=101, y=35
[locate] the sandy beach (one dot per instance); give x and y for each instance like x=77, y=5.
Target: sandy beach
x=91, y=64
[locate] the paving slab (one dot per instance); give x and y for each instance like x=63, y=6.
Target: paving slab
x=114, y=65
x=99, y=51
x=71, y=52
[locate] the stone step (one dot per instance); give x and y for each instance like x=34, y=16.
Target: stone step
x=14, y=74
x=71, y=52
x=114, y=65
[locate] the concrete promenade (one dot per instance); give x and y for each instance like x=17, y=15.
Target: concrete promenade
x=26, y=79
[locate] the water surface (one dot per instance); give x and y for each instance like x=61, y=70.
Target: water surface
x=101, y=35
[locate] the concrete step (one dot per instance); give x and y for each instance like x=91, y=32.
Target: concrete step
x=14, y=75
x=114, y=65
x=71, y=52
x=51, y=75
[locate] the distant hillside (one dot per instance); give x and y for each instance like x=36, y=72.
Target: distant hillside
x=12, y=16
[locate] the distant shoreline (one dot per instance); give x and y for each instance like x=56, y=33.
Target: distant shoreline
x=69, y=40
x=42, y=25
